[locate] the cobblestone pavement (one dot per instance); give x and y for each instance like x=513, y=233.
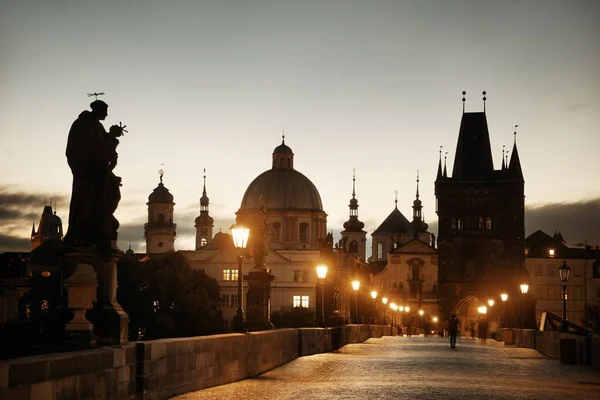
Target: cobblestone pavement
x=417, y=368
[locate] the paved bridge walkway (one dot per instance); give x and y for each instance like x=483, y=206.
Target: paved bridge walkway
x=417, y=368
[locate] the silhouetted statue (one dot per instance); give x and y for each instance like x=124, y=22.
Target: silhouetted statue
x=92, y=156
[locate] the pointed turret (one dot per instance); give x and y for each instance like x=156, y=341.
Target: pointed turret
x=445, y=169
x=353, y=235
x=514, y=167
x=418, y=223
x=439, y=170
x=503, y=163
x=204, y=223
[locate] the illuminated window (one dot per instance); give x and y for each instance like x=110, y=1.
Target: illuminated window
x=305, y=301
x=459, y=223
x=203, y=242
x=230, y=274
x=300, y=301
x=551, y=252
x=296, y=301
x=379, y=251
x=488, y=223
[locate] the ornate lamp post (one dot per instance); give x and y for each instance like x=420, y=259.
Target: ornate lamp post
x=564, y=271
x=240, y=240
x=355, y=287
x=384, y=300
x=483, y=311
x=321, y=275
x=524, y=290
x=504, y=297
x=374, y=297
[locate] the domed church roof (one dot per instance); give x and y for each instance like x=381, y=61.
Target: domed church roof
x=282, y=187
x=160, y=194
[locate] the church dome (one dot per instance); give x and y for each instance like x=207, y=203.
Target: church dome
x=282, y=187
x=160, y=194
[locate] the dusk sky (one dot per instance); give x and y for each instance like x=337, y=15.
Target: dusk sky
x=371, y=85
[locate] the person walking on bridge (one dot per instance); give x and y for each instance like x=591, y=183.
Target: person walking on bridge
x=453, y=324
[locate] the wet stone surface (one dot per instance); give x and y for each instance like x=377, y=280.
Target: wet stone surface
x=417, y=368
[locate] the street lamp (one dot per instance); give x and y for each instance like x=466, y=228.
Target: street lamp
x=355, y=287
x=321, y=274
x=483, y=310
x=524, y=290
x=240, y=240
x=504, y=297
x=564, y=271
x=384, y=300
x=374, y=297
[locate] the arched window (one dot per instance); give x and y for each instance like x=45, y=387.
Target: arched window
x=203, y=242
x=304, y=232
x=379, y=251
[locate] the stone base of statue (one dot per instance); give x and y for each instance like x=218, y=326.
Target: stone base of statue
x=258, y=300
x=81, y=287
x=110, y=322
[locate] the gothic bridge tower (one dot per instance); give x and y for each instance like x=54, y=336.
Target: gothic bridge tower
x=480, y=214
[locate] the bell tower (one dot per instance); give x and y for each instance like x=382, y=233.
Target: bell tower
x=204, y=222
x=159, y=231
x=354, y=239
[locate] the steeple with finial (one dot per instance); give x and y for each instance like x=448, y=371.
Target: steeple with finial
x=353, y=235
x=445, y=169
x=419, y=225
x=503, y=151
x=514, y=167
x=204, y=223
x=439, y=169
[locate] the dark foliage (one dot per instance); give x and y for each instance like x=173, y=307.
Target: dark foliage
x=164, y=298
x=296, y=317
x=591, y=316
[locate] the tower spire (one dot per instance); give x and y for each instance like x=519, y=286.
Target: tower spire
x=445, y=169
x=439, y=171
x=353, y=183
x=396, y=199
x=464, y=93
x=503, y=151
x=484, y=99
x=417, y=184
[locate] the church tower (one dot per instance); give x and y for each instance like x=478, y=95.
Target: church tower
x=204, y=222
x=418, y=221
x=481, y=213
x=159, y=231
x=354, y=239
x=50, y=227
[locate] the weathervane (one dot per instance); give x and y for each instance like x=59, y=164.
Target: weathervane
x=161, y=172
x=95, y=95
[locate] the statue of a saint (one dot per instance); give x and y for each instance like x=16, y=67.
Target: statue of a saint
x=92, y=156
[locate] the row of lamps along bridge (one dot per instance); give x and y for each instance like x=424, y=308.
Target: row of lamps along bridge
x=240, y=239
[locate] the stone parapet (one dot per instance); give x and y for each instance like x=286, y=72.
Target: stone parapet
x=160, y=369
x=88, y=374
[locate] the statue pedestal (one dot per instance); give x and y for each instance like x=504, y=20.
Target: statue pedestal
x=81, y=286
x=258, y=300
x=111, y=323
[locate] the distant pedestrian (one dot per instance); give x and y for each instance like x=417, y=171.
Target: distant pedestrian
x=400, y=330
x=407, y=327
x=453, y=325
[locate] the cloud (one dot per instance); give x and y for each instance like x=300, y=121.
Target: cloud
x=14, y=243
x=577, y=221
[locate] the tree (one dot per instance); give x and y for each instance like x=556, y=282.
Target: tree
x=296, y=317
x=591, y=316
x=164, y=297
